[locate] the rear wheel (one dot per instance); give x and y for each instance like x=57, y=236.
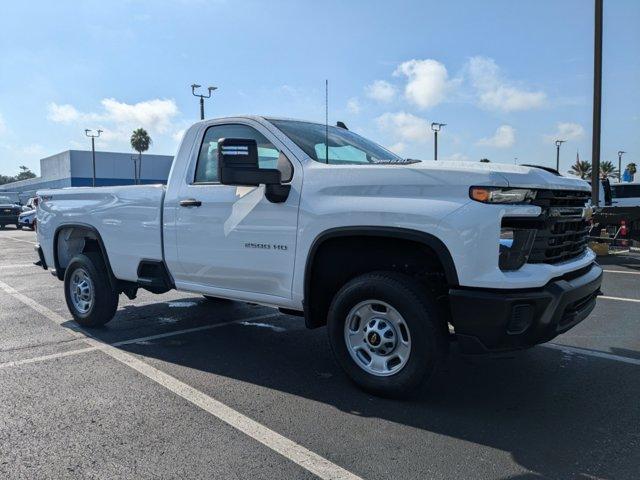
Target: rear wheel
x=385, y=332
x=89, y=295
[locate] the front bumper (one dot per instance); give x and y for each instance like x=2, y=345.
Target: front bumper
x=503, y=320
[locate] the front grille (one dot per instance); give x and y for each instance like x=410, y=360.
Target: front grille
x=561, y=230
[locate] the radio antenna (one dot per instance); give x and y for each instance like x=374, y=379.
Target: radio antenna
x=326, y=121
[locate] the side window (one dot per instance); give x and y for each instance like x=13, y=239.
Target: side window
x=207, y=166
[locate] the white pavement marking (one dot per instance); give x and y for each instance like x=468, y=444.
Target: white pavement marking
x=191, y=330
x=592, y=353
x=622, y=299
x=44, y=358
x=174, y=333
x=289, y=449
x=620, y=271
x=17, y=265
x=20, y=240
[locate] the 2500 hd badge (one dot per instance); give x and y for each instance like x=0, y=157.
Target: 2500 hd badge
x=265, y=246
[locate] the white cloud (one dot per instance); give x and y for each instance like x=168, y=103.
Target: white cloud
x=566, y=131
x=495, y=92
x=179, y=134
x=118, y=119
x=397, y=148
x=155, y=115
x=428, y=82
x=380, y=91
x=404, y=126
x=504, y=137
x=353, y=106
x=63, y=113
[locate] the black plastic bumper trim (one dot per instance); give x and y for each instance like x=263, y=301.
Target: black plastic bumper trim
x=481, y=317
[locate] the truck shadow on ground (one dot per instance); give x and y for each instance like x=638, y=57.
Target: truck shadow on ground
x=558, y=415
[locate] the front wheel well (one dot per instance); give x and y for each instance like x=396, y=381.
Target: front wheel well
x=336, y=260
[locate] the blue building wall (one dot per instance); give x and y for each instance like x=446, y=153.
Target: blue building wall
x=74, y=168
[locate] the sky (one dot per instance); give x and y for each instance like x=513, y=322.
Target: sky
x=507, y=77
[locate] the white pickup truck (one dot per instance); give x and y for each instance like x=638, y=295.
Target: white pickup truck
x=396, y=257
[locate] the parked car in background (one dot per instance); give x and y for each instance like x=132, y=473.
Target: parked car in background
x=28, y=219
x=9, y=211
x=625, y=194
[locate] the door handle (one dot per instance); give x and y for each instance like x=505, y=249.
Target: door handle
x=190, y=202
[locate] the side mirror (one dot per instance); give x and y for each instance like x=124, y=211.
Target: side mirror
x=238, y=165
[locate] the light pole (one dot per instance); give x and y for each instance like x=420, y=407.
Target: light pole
x=620, y=153
x=93, y=137
x=436, y=127
x=558, y=143
x=202, y=97
x=597, y=103
x=134, y=159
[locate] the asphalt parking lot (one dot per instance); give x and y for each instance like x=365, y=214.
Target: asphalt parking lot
x=178, y=387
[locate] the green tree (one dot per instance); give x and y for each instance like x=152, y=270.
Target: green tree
x=581, y=169
x=140, y=142
x=485, y=160
x=608, y=169
x=632, y=168
x=6, y=179
x=25, y=173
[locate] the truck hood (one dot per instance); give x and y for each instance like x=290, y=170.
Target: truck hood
x=513, y=175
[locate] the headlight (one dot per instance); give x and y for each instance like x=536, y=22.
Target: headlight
x=515, y=246
x=501, y=195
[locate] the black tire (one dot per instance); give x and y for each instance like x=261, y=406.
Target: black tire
x=105, y=298
x=2, y=227
x=421, y=315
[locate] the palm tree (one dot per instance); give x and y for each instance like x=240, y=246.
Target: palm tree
x=140, y=141
x=581, y=168
x=608, y=169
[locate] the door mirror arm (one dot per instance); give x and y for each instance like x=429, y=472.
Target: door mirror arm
x=277, y=193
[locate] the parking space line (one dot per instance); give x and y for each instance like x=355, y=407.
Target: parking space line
x=17, y=265
x=311, y=461
x=191, y=330
x=174, y=333
x=20, y=240
x=593, y=353
x=44, y=358
x=621, y=271
x=622, y=299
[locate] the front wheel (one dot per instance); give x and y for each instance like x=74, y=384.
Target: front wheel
x=386, y=333
x=88, y=292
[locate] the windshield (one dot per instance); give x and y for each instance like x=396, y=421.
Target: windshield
x=345, y=147
x=4, y=199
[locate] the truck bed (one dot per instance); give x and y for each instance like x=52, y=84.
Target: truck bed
x=127, y=218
